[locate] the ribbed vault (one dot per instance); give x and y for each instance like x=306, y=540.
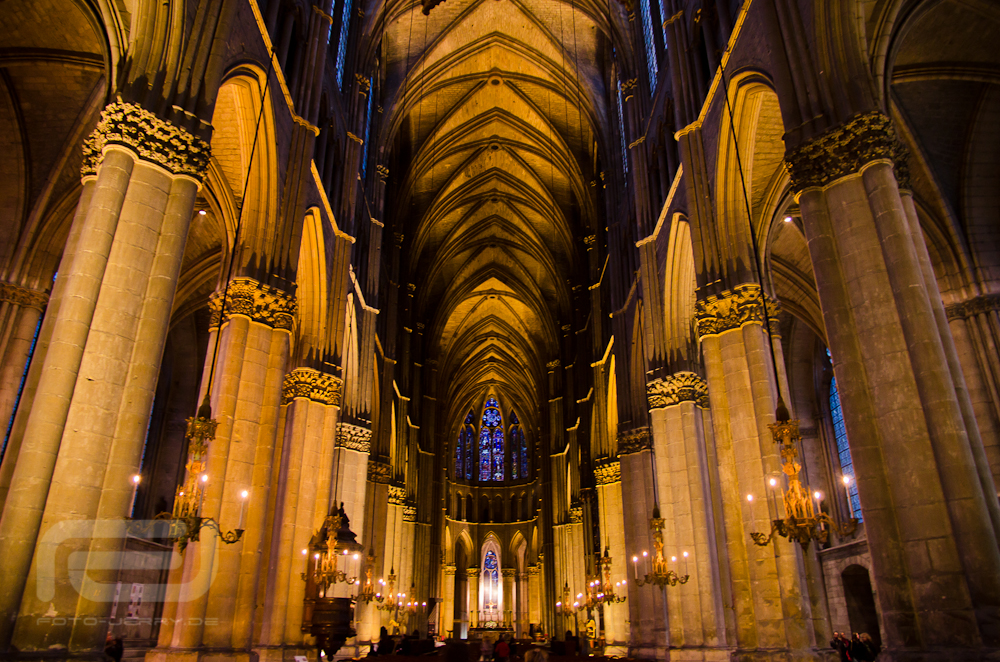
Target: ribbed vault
x=492, y=138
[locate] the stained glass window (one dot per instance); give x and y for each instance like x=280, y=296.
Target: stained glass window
x=518, y=450
x=843, y=450
x=647, y=33
x=484, y=453
x=491, y=446
x=524, y=453
x=345, y=26
x=459, y=460
x=491, y=574
x=498, y=454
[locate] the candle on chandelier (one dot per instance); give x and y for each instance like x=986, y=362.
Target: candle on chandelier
x=645, y=562
x=818, y=496
x=201, y=499
x=135, y=489
x=773, y=482
x=685, y=555
x=635, y=566
x=243, y=504
x=847, y=491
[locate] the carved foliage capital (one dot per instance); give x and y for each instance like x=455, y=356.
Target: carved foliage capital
x=845, y=149
x=409, y=513
x=354, y=437
x=508, y=573
x=608, y=471
x=676, y=388
x=312, y=384
x=576, y=514
x=450, y=569
x=261, y=303
x=379, y=472
x=152, y=139
x=397, y=495
x=974, y=306
x=634, y=441
x=732, y=309
x=22, y=296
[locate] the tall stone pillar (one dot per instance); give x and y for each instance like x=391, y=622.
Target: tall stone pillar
x=686, y=472
x=768, y=584
x=311, y=401
x=99, y=374
x=609, y=496
x=246, y=393
x=509, y=596
x=534, y=595
x=647, y=628
x=923, y=478
x=20, y=310
x=975, y=327
x=472, y=575
x=447, y=614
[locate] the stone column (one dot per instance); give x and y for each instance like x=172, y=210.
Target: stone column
x=975, y=327
x=99, y=372
x=925, y=487
x=646, y=632
x=681, y=425
x=311, y=401
x=44, y=338
x=447, y=615
x=609, y=494
x=768, y=584
x=246, y=390
x=472, y=576
x=509, y=597
x=534, y=595
x=20, y=310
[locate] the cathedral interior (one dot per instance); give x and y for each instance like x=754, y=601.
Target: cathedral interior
x=671, y=323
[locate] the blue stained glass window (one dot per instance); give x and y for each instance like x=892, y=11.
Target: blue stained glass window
x=492, y=402
x=459, y=460
x=524, y=454
x=621, y=133
x=491, y=418
x=484, y=454
x=345, y=26
x=498, y=454
x=843, y=450
x=492, y=580
x=647, y=33
x=368, y=128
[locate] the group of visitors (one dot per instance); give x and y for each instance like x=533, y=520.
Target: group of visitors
x=859, y=648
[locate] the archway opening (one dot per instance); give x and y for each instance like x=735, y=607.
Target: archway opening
x=861, y=610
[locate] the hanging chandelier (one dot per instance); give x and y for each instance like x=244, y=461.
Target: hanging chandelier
x=184, y=523
x=335, y=554
x=661, y=574
x=803, y=521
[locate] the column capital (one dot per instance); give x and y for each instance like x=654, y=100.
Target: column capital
x=22, y=296
x=675, y=389
x=961, y=310
x=261, y=303
x=634, y=441
x=534, y=570
x=379, y=472
x=409, y=513
x=508, y=573
x=149, y=138
x=845, y=150
x=397, y=495
x=312, y=384
x=608, y=471
x=472, y=572
x=450, y=569
x=354, y=437
x=732, y=309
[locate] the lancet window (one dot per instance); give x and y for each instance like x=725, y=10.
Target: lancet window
x=843, y=450
x=465, y=449
x=491, y=443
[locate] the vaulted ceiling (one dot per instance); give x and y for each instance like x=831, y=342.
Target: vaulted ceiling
x=493, y=133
